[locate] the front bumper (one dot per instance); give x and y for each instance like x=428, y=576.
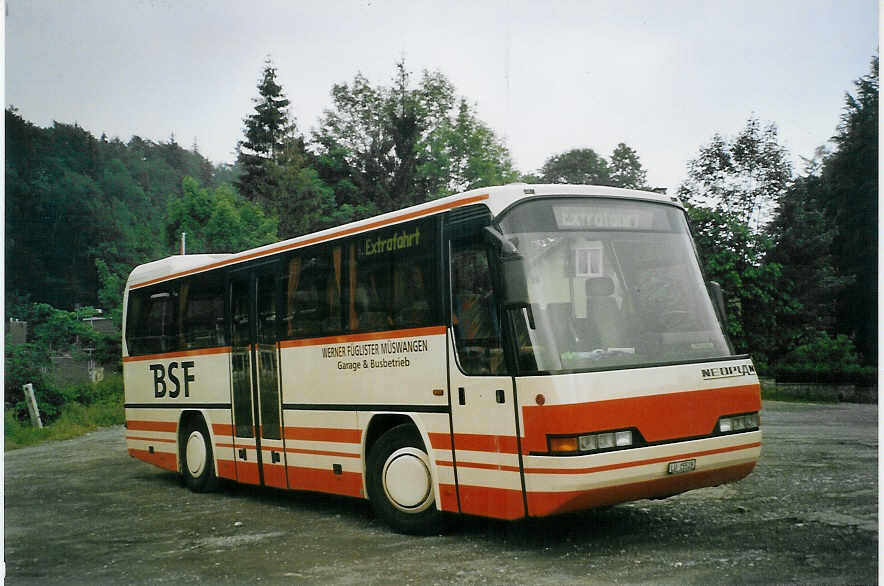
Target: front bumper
x=558, y=484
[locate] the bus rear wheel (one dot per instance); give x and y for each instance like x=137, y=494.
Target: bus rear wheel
x=400, y=484
x=197, y=463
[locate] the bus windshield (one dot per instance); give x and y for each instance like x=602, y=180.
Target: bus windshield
x=611, y=284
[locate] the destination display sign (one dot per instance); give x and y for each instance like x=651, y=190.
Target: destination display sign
x=586, y=217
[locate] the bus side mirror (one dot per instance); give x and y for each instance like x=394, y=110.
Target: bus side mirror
x=718, y=298
x=512, y=268
x=515, y=282
x=515, y=286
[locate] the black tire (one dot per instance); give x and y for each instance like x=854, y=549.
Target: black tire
x=197, y=461
x=400, y=484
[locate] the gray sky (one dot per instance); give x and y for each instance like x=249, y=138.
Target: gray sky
x=661, y=76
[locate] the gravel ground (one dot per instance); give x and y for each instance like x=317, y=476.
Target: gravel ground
x=82, y=511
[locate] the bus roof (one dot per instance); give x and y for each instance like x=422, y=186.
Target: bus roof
x=497, y=199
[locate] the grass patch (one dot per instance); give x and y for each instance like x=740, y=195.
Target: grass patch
x=74, y=419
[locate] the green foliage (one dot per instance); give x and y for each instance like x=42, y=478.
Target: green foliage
x=24, y=363
x=823, y=358
x=577, y=166
x=626, y=169
x=216, y=220
x=55, y=330
x=744, y=175
x=585, y=166
x=382, y=148
x=825, y=350
x=803, y=234
x=731, y=185
x=850, y=196
x=87, y=407
x=823, y=373
x=73, y=200
x=271, y=141
x=735, y=257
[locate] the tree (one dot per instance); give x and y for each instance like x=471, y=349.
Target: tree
x=850, y=181
x=745, y=175
x=383, y=148
x=270, y=135
x=735, y=256
x=464, y=154
x=577, y=166
x=730, y=188
x=626, y=168
x=216, y=220
x=802, y=233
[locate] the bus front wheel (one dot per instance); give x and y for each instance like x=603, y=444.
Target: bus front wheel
x=400, y=484
x=197, y=463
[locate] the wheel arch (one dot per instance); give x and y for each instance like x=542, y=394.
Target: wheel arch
x=381, y=423
x=186, y=418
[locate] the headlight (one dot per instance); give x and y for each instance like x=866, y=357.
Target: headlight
x=734, y=423
x=592, y=442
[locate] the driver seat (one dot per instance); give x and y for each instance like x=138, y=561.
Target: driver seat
x=603, y=313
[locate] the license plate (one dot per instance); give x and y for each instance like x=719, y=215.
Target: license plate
x=682, y=466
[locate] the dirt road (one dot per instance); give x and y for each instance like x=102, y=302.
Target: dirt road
x=82, y=511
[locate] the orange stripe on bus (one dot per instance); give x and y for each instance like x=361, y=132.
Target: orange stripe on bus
x=475, y=442
x=324, y=434
x=480, y=465
x=222, y=429
x=165, y=460
x=448, y=498
x=344, y=338
x=181, y=354
x=621, y=465
x=322, y=453
x=274, y=475
x=247, y=472
x=554, y=503
x=499, y=503
x=345, y=483
x=662, y=417
x=171, y=426
x=227, y=469
x=150, y=439
x=316, y=239
x=440, y=441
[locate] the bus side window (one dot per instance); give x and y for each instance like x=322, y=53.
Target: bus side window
x=474, y=311
x=151, y=324
x=313, y=294
x=201, y=310
x=392, y=278
x=412, y=306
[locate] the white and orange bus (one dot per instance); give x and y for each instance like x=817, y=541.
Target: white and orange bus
x=509, y=352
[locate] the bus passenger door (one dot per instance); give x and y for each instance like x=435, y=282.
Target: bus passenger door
x=483, y=408
x=260, y=453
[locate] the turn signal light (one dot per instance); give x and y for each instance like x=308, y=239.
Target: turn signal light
x=563, y=444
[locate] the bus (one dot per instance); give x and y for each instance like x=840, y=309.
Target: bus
x=508, y=352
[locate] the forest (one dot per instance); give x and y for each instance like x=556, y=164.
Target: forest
x=794, y=250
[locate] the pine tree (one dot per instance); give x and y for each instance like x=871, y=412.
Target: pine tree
x=269, y=132
x=850, y=177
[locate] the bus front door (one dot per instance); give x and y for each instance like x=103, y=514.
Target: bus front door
x=483, y=412
x=259, y=447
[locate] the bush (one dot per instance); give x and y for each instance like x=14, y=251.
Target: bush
x=73, y=418
x=823, y=349
x=826, y=373
x=24, y=364
x=824, y=359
